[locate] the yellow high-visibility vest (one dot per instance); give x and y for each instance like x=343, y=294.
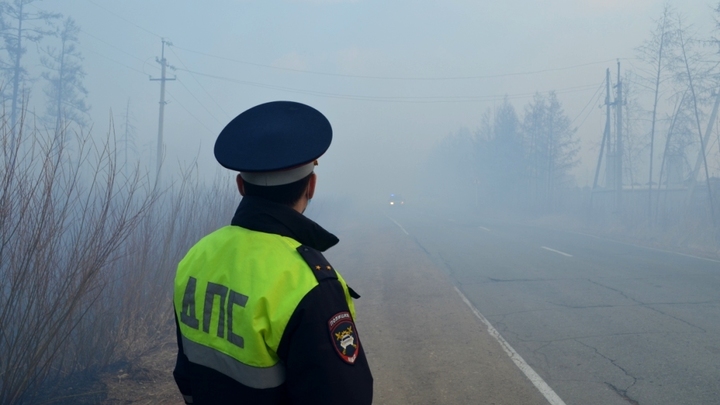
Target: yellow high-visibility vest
x=235, y=292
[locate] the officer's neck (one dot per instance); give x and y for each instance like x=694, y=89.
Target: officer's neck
x=301, y=204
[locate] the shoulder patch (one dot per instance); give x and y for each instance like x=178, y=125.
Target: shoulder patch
x=321, y=268
x=344, y=336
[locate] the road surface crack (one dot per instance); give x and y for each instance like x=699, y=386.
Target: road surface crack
x=587, y=306
x=622, y=392
x=538, y=351
x=617, y=291
x=676, y=318
x=515, y=280
x=648, y=306
x=422, y=247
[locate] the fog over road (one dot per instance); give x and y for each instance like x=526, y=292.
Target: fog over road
x=601, y=322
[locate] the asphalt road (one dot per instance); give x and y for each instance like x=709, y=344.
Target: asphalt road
x=424, y=344
x=601, y=322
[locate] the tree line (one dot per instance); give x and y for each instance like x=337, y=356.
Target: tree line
x=54, y=38
x=667, y=138
x=511, y=161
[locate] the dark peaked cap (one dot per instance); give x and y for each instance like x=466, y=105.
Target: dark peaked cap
x=273, y=136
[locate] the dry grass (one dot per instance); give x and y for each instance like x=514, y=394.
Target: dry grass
x=87, y=258
x=147, y=381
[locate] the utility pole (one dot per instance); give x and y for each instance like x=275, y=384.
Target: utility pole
x=618, y=142
x=606, y=133
x=163, y=62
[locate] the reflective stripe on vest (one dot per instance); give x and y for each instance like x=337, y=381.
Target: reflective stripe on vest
x=235, y=292
x=254, y=377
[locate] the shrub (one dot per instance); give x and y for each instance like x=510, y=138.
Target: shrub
x=87, y=255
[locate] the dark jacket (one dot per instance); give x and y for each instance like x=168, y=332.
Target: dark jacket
x=315, y=371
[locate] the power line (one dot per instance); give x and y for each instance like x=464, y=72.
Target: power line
x=113, y=60
x=592, y=99
x=105, y=43
x=111, y=45
x=200, y=84
x=199, y=102
x=123, y=18
x=492, y=76
x=590, y=110
x=189, y=113
x=401, y=99
x=347, y=75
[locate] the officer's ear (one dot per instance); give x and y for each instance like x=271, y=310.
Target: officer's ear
x=240, y=184
x=310, y=189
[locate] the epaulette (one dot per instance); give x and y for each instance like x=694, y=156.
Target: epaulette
x=321, y=268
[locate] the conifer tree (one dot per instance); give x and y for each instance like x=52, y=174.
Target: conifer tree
x=17, y=27
x=551, y=147
x=64, y=89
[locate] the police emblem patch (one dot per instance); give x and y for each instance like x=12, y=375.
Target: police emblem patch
x=344, y=336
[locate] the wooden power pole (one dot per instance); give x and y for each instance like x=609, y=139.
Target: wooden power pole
x=618, y=142
x=163, y=78
x=606, y=133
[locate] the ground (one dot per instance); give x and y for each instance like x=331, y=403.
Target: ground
x=149, y=381
x=424, y=345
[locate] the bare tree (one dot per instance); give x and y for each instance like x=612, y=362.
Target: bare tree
x=653, y=51
x=635, y=138
x=63, y=219
x=686, y=58
x=128, y=137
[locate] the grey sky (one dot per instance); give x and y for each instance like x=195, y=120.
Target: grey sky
x=366, y=64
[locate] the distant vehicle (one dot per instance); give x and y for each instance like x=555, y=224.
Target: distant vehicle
x=396, y=200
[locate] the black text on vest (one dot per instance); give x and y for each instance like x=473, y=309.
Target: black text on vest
x=228, y=299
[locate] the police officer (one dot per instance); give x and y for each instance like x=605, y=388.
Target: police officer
x=261, y=316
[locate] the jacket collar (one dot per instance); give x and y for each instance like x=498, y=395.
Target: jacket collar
x=259, y=214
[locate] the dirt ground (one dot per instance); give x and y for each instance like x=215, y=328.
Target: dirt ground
x=149, y=381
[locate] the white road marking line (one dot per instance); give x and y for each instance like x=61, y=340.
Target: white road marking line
x=485, y=229
x=396, y=223
x=557, y=251
x=537, y=381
